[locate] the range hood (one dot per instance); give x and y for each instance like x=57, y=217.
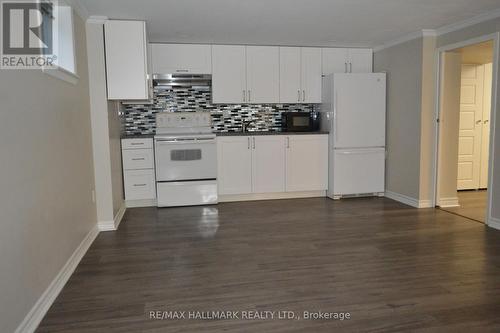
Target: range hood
x=182, y=80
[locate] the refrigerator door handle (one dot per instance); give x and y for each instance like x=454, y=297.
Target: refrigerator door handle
x=335, y=120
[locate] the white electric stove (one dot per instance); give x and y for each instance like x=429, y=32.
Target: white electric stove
x=186, y=159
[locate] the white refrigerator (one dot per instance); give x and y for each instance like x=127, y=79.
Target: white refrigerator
x=353, y=112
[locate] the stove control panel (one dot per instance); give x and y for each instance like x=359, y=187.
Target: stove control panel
x=178, y=122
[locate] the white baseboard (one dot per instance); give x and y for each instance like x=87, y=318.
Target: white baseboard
x=494, y=223
x=408, y=200
x=113, y=225
x=448, y=202
x=140, y=203
x=38, y=311
x=271, y=196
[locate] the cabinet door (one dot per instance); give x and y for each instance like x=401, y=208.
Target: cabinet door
x=268, y=164
x=360, y=60
x=290, y=88
x=181, y=58
x=334, y=60
x=311, y=74
x=307, y=163
x=228, y=74
x=263, y=77
x=126, y=60
x=234, y=165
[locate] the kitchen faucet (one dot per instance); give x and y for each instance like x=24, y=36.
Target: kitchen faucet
x=245, y=125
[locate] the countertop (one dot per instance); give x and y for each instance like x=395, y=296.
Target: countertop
x=149, y=136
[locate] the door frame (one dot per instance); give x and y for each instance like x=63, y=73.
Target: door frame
x=495, y=37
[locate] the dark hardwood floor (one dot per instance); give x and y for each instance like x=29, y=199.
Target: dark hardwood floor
x=392, y=267
x=472, y=205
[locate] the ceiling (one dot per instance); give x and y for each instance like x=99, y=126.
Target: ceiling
x=289, y=22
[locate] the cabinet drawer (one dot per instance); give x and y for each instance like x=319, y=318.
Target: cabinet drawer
x=137, y=159
x=139, y=184
x=137, y=143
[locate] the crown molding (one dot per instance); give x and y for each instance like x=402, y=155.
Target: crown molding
x=97, y=19
x=469, y=22
x=406, y=38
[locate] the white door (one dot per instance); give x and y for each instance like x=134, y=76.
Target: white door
x=311, y=74
x=471, y=125
x=359, y=110
x=290, y=88
x=126, y=60
x=268, y=163
x=263, y=76
x=234, y=165
x=358, y=171
x=334, y=60
x=306, y=163
x=228, y=74
x=181, y=58
x=485, y=142
x=360, y=60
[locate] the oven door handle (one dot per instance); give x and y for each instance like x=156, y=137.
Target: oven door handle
x=185, y=142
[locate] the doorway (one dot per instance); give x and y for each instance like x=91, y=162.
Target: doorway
x=465, y=107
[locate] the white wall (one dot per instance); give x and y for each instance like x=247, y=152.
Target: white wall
x=46, y=179
x=105, y=131
x=403, y=64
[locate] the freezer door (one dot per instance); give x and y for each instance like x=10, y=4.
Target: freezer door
x=359, y=110
x=358, y=171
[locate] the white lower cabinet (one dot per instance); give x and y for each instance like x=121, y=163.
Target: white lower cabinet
x=307, y=163
x=272, y=164
x=138, y=170
x=234, y=165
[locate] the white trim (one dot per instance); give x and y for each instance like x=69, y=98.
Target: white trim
x=42, y=305
x=413, y=202
x=494, y=110
x=62, y=74
x=140, y=203
x=494, y=223
x=271, y=196
x=79, y=8
x=448, y=202
x=468, y=22
x=97, y=19
x=113, y=225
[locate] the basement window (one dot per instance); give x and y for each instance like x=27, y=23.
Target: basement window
x=64, y=44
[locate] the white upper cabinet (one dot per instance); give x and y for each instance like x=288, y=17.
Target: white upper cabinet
x=181, y=58
x=342, y=60
x=229, y=83
x=263, y=75
x=311, y=75
x=126, y=60
x=290, y=87
x=300, y=75
x=245, y=74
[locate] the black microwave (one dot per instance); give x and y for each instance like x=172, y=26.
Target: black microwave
x=299, y=121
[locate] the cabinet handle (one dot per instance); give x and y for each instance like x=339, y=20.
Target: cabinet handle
x=303, y=95
x=248, y=143
x=136, y=143
x=350, y=67
x=138, y=159
x=138, y=185
x=244, y=96
x=182, y=70
x=345, y=67
x=253, y=142
x=298, y=95
x=249, y=99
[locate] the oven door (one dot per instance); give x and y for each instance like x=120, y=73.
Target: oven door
x=185, y=159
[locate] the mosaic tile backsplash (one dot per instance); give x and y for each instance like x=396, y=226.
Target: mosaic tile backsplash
x=140, y=119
